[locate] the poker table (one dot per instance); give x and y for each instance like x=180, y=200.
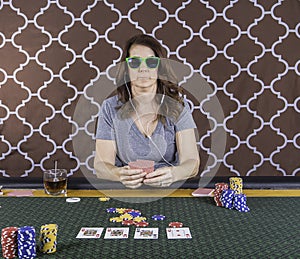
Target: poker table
x=270, y=229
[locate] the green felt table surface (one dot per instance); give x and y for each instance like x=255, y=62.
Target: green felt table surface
x=270, y=229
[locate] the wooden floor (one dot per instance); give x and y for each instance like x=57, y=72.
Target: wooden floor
x=152, y=193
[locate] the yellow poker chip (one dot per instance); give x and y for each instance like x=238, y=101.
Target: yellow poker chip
x=139, y=219
x=121, y=210
x=126, y=216
x=116, y=219
x=104, y=199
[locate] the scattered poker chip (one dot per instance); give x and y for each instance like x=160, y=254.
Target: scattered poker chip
x=141, y=224
x=121, y=210
x=139, y=219
x=71, y=200
x=126, y=216
x=135, y=213
x=175, y=224
x=128, y=222
x=104, y=199
x=116, y=219
x=111, y=210
x=158, y=217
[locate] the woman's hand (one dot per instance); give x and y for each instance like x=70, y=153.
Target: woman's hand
x=161, y=177
x=131, y=178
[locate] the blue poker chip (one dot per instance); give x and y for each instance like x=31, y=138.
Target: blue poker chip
x=158, y=217
x=111, y=210
x=135, y=213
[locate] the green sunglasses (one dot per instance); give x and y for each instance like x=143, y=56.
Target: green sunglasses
x=135, y=62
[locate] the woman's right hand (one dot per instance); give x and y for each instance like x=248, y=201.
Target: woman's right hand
x=131, y=178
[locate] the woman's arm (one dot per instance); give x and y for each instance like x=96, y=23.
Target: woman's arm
x=104, y=162
x=104, y=165
x=189, y=160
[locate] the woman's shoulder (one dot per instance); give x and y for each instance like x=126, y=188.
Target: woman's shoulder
x=111, y=102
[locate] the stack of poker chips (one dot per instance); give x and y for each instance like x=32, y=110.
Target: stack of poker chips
x=26, y=242
x=239, y=203
x=233, y=198
x=9, y=242
x=219, y=187
x=48, y=238
x=227, y=197
x=236, y=184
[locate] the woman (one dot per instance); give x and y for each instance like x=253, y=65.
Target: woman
x=146, y=120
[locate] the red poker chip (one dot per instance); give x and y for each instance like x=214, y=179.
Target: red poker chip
x=127, y=222
x=176, y=224
x=141, y=224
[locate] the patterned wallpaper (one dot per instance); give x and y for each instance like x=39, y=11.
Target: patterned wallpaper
x=56, y=58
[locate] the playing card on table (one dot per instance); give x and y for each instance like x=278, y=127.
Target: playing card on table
x=116, y=233
x=146, y=233
x=178, y=233
x=87, y=232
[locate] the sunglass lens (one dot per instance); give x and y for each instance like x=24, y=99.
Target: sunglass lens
x=152, y=62
x=134, y=62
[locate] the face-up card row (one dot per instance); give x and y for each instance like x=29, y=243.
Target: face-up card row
x=140, y=233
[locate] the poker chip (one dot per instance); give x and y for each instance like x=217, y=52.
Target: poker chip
x=111, y=210
x=227, y=197
x=135, y=213
x=48, y=238
x=116, y=219
x=26, y=242
x=141, y=224
x=127, y=222
x=236, y=184
x=126, y=216
x=158, y=217
x=104, y=199
x=219, y=188
x=139, y=219
x=175, y=224
x=9, y=242
x=121, y=210
x=73, y=200
x=240, y=203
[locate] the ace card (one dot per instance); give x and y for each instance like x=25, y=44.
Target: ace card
x=178, y=233
x=146, y=233
x=116, y=233
x=87, y=232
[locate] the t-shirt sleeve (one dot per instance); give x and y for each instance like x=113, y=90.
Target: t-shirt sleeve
x=105, y=129
x=185, y=119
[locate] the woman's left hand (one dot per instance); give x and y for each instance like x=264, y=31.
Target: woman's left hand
x=161, y=177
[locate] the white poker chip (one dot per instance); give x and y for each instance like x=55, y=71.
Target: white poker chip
x=73, y=200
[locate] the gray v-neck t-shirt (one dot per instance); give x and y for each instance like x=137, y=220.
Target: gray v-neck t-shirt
x=132, y=144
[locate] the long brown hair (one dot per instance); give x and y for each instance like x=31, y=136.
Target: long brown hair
x=167, y=82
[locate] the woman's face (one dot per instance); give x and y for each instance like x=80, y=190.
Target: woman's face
x=143, y=78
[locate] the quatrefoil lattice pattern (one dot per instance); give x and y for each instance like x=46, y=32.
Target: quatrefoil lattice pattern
x=55, y=57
